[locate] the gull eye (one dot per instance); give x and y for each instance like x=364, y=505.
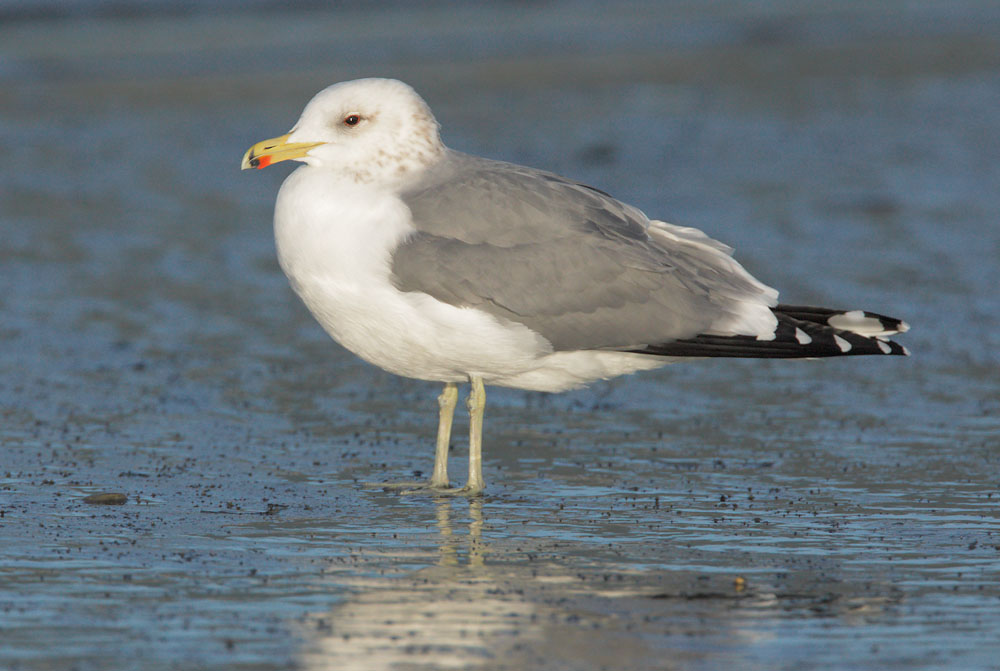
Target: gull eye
x=352, y=120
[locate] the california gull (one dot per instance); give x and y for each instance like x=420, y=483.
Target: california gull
x=438, y=265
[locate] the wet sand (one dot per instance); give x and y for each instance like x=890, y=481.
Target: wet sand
x=747, y=514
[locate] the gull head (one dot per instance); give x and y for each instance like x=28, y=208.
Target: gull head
x=367, y=129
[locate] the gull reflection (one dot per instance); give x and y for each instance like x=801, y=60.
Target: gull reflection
x=449, y=544
x=452, y=614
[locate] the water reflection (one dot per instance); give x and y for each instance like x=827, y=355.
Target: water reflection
x=453, y=614
x=462, y=611
x=449, y=545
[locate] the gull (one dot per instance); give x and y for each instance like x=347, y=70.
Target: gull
x=438, y=265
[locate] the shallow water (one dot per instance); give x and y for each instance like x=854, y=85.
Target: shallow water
x=753, y=514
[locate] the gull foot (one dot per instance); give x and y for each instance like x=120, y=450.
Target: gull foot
x=466, y=491
x=424, y=487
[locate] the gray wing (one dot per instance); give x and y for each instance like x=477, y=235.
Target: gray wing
x=568, y=261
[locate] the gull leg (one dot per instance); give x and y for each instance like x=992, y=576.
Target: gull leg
x=446, y=402
x=477, y=406
x=438, y=485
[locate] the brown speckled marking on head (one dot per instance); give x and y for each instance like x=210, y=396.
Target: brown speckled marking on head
x=420, y=145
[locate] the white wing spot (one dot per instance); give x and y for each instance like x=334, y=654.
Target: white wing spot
x=842, y=344
x=855, y=321
x=884, y=347
x=802, y=337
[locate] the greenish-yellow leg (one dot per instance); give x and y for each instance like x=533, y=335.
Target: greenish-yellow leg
x=477, y=406
x=438, y=484
x=446, y=402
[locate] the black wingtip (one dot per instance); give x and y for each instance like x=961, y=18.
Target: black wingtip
x=861, y=322
x=802, y=332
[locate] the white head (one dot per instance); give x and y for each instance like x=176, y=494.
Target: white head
x=370, y=129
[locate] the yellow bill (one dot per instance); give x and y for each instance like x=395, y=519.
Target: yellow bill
x=277, y=149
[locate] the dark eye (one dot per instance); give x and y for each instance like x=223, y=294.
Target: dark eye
x=352, y=120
